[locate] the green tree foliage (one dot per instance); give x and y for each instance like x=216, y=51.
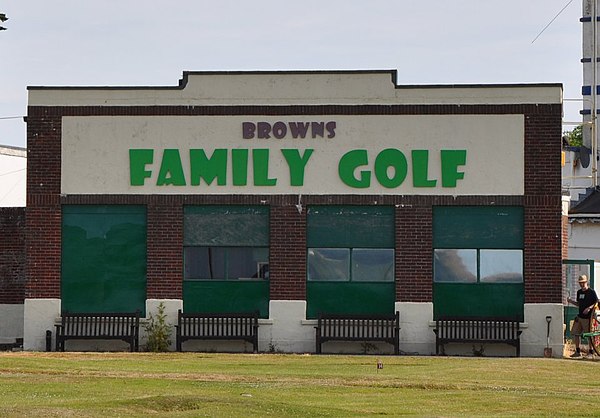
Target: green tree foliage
x=574, y=137
x=3, y=19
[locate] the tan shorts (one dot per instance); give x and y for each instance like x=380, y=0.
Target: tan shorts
x=580, y=325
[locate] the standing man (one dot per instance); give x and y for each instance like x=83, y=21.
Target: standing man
x=586, y=299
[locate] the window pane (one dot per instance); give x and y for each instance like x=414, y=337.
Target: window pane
x=501, y=266
x=242, y=226
x=226, y=262
x=350, y=226
x=247, y=262
x=204, y=262
x=372, y=265
x=328, y=264
x=103, y=258
x=458, y=266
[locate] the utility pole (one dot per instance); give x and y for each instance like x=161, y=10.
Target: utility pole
x=590, y=80
x=594, y=142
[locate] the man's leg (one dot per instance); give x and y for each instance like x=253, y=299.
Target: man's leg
x=575, y=333
x=585, y=325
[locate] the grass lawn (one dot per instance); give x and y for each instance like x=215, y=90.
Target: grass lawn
x=226, y=385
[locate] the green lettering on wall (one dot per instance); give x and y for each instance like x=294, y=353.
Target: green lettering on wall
x=451, y=160
x=260, y=160
x=171, y=171
x=420, y=162
x=348, y=163
x=239, y=166
x=297, y=164
x=138, y=160
x=387, y=158
x=202, y=167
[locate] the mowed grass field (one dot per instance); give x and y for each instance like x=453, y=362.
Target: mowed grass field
x=243, y=385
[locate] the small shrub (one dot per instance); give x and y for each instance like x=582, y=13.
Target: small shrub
x=478, y=353
x=273, y=348
x=368, y=347
x=158, y=332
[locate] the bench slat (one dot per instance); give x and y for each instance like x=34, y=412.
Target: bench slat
x=217, y=326
x=381, y=328
x=114, y=326
x=478, y=330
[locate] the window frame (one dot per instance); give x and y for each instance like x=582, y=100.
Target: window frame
x=260, y=265
x=350, y=265
x=258, y=217
x=478, y=267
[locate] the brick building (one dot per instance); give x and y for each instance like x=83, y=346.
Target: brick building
x=295, y=193
x=13, y=162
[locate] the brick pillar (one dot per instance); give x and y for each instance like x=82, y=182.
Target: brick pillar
x=543, y=250
x=165, y=250
x=43, y=220
x=287, y=264
x=543, y=206
x=414, y=262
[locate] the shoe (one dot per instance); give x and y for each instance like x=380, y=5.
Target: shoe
x=590, y=356
x=576, y=354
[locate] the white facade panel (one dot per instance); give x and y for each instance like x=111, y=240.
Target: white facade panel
x=13, y=177
x=96, y=154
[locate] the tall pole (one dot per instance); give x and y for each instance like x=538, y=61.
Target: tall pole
x=594, y=142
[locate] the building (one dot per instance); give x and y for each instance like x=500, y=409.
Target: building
x=580, y=169
x=13, y=165
x=295, y=193
x=591, y=71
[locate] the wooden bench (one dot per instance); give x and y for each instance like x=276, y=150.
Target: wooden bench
x=217, y=326
x=477, y=330
x=363, y=328
x=98, y=326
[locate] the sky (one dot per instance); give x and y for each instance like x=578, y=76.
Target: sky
x=151, y=43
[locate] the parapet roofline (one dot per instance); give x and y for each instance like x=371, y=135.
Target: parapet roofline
x=393, y=77
x=302, y=87
x=13, y=151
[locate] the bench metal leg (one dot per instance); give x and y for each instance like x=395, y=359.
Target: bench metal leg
x=60, y=344
x=48, y=340
x=178, y=343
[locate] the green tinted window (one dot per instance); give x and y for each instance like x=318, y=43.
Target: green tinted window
x=226, y=259
x=350, y=226
x=226, y=242
x=103, y=258
x=478, y=261
x=240, y=226
x=350, y=260
x=478, y=227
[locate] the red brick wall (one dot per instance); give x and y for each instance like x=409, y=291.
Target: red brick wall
x=43, y=206
x=12, y=255
x=165, y=248
x=542, y=203
x=414, y=256
x=287, y=265
x=543, y=207
x=543, y=252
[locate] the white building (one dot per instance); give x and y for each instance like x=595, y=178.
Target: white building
x=13, y=175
